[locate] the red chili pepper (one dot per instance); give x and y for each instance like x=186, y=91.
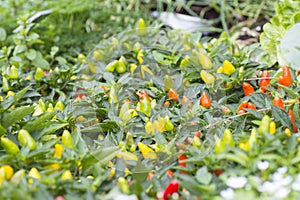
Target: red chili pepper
x=248, y=89
x=291, y=113
x=173, y=187
x=218, y=172
x=181, y=160
x=172, y=94
x=198, y=134
x=59, y=198
x=277, y=101
x=265, y=82
x=286, y=78
x=205, y=100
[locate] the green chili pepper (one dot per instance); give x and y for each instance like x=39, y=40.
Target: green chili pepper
x=144, y=106
x=205, y=61
x=66, y=139
x=168, y=83
x=9, y=146
x=110, y=67
x=17, y=177
x=13, y=73
x=264, y=125
x=123, y=185
x=168, y=124
x=26, y=139
x=39, y=74
x=5, y=85
x=227, y=138
x=129, y=140
x=207, y=77
x=219, y=145
x=141, y=27
x=112, y=98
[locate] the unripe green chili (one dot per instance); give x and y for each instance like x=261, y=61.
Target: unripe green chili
x=205, y=61
x=227, y=138
x=123, y=185
x=129, y=140
x=168, y=83
x=13, y=73
x=110, y=67
x=39, y=74
x=66, y=139
x=141, y=27
x=5, y=85
x=26, y=139
x=207, y=77
x=144, y=106
x=264, y=125
x=219, y=145
x=9, y=146
x=17, y=177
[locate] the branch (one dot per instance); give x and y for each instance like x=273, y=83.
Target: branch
x=233, y=117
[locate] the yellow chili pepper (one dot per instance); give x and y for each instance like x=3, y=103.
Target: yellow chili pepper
x=288, y=132
x=132, y=68
x=33, y=173
x=59, y=149
x=127, y=156
x=67, y=175
x=272, y=128
x=228, y=68
x=123, y=185
x=146, y=151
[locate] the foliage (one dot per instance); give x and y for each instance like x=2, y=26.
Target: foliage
x=149, y=112
x=287, y=14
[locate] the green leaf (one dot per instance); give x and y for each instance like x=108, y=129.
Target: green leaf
x=16, y=115
x=14, y=99
x=290, y=91
x=255, y=113
x=2, y=34
x=31, y=54
x=52, y=129
x=140, y=172
x=282, y=116
x=257, y=99
x=105, y=154
x=2, y=130
x=37, y=123
x=203, y=176
x=289, y=51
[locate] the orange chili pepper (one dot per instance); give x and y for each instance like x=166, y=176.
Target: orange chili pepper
x=251, y=106
x=205, y=100
x=277, y=101
x=172, y=94
x=291, y=113
x=264, y=83
x=242, y=106
x=185, y=100
x=286, y=78
x=248, y=89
